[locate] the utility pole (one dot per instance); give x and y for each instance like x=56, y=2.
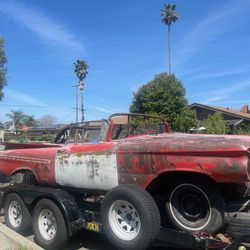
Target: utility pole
x=81, y=87
x=81, y=71
x=76, y=86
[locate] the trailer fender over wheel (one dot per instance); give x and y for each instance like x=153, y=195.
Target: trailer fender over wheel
x=49, y=225
x=16, y=215
x=130, y=217
x=194, y=205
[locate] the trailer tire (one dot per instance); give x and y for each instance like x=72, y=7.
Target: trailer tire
x=194, y=205
x=130, y=217
x=49, y=225
x=237, y=224
x=16, y=214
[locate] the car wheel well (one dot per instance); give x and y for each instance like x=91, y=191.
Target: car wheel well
x=158, y=185
x=228, y=190
x=24, y=176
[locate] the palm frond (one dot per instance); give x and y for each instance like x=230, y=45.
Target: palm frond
x=169, y=14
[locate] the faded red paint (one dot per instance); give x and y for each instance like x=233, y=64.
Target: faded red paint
x=39, y=160
x=223, y=158
x=141, y=158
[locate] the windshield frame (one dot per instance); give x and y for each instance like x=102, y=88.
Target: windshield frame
x=133, y=115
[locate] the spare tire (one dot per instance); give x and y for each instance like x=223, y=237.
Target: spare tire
x=130, y=217
x=194, y=204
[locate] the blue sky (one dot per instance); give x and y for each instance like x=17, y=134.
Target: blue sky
x=125, y=45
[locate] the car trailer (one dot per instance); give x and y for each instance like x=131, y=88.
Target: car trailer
x=81, y=214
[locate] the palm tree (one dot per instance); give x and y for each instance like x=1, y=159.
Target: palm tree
x=81, y=67
x=81, y=71
x=29, y=121
x=16, y=118
x=169, y=16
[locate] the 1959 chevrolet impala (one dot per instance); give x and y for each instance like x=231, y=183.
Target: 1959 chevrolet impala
x=196, y=180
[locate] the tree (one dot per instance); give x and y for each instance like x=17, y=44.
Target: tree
x=47, y=120
x=169, y=16
x=165, y=96
x=214, y=124
x=241, y=129
x=29, y=121
x=3, y=70
x=18, y=119
x=81, y=71
x=7, y=125
x=186, y=121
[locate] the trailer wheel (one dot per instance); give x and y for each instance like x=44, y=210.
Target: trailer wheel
x=195, y=205
x=16, y=214
x=130, y=217
x=49, y=225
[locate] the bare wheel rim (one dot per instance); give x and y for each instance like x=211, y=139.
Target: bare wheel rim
x=47, y=224
x=124, y=220
x=190, y=207
x=15, y=214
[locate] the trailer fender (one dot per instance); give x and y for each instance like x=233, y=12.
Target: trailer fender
x=66, y=202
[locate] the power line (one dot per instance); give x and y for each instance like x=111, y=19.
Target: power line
x=19, y=105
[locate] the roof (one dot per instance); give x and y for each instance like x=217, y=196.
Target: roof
x=229, y=111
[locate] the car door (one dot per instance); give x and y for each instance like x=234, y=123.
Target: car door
x=87, y=165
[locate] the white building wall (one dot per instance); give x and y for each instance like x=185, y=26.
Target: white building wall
x=1, y=135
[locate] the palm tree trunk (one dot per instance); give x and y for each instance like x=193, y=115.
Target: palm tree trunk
x=169, y=52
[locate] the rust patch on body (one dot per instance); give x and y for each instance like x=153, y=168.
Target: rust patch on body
x=234, y=168
x=92, y=168
x=199, y=166
x=36, y=169
x=45, y=168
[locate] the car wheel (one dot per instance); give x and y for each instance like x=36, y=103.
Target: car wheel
x=195, y=205
x=49, y=225
x=29, y=178
x=130, y=217
x=16, y=214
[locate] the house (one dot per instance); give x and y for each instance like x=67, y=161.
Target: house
x=232, y=117
x=39, y=133
x=1, y=132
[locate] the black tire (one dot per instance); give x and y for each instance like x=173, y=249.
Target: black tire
x=195, y=205
x=237, y=224
x=29, y=178
x=136, y=208
x=16, y=215
x=57, y=231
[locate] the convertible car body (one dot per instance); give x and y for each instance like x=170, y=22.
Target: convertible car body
x=185, y=170
x=104, y=154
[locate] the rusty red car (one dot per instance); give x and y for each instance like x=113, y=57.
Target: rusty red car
x=195, y=180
